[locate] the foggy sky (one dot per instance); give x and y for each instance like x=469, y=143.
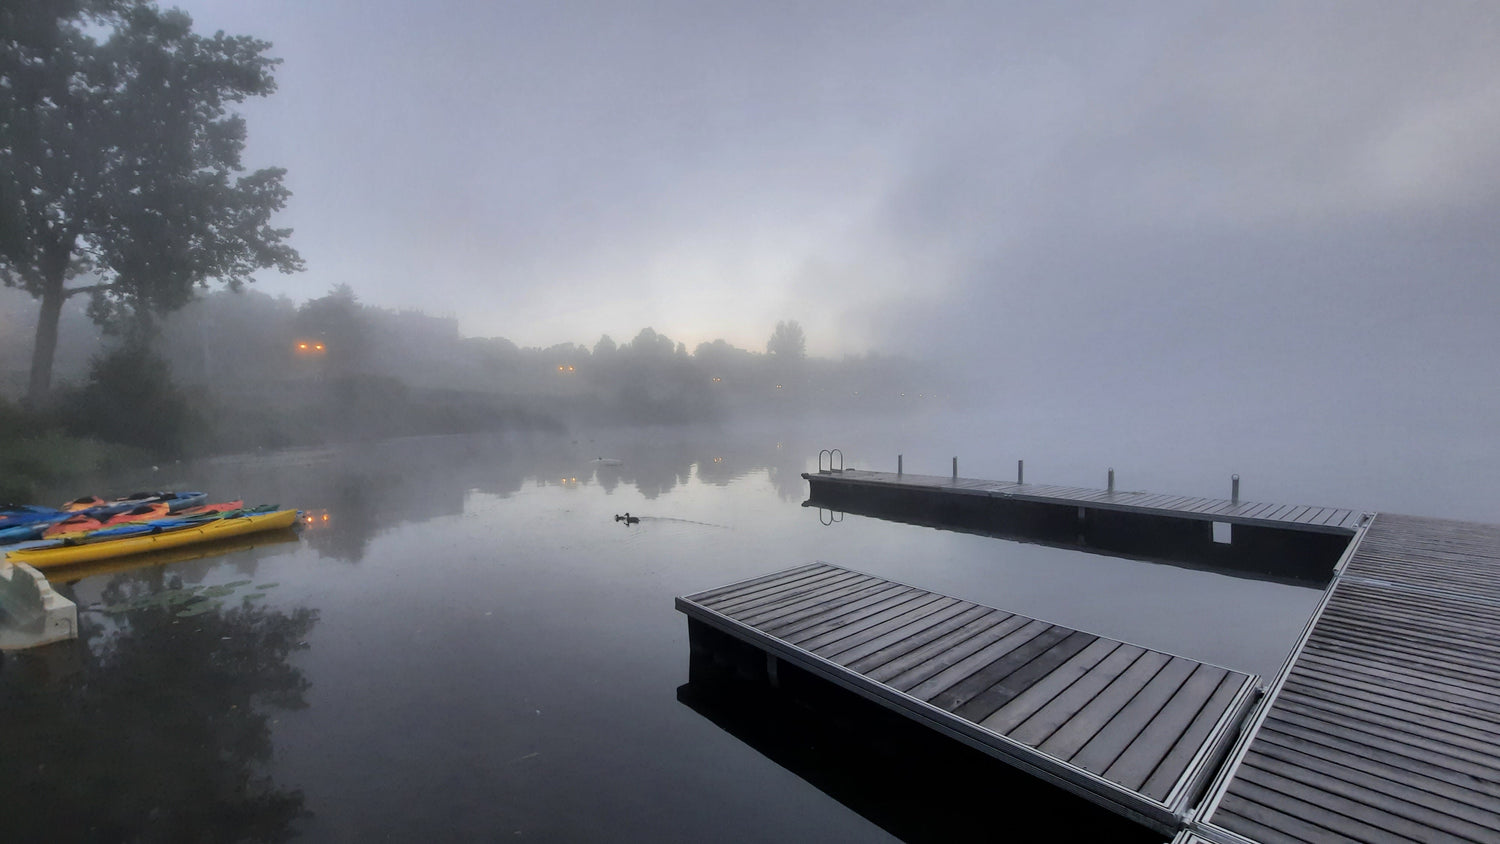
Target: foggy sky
x=1159, y=199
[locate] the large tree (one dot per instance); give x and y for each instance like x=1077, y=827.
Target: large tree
x=787, y=344
x=120, y=162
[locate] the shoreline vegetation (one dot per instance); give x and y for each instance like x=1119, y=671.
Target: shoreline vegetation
x=234, y=372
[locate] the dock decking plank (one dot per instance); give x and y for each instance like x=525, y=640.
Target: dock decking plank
x=1026, y=703
x=1137, y=761
x=817, y=602
x=960, y=694
x=893, y=659
x=1002, y=691
x=1357, y=778
x=831, y=615
x=1105, y=747
x=1045, y=721
x=920, y=664
x=1160, y=783
x=936, y=674
x=1072, y=736
x=854, y=625
x=907, y=638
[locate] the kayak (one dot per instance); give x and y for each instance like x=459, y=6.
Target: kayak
x=174, y=500
x=152, y=537
x=20, y=515
x=85, y=523
x=73, y=572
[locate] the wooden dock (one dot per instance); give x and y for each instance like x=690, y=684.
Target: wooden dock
x=1135, y=730
x=1337, y=520
x=1385, y=724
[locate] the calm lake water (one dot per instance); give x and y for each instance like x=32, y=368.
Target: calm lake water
x=464, y=644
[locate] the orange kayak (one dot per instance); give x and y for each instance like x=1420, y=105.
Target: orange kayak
x=84, y=523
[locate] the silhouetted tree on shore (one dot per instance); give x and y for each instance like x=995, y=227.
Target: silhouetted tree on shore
x=119, y=162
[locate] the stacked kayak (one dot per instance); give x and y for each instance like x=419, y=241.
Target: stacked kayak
x=92, y=529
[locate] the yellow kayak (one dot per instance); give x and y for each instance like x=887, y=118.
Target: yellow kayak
x=74, y=572
x=88, y=552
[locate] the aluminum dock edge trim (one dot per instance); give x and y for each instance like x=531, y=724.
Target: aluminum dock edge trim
x=1227, y=773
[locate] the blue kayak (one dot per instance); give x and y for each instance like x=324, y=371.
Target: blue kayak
x=16, y=515
x=174, y=500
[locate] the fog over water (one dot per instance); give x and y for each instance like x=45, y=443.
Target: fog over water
x=1179, y=240
x=1226, y=227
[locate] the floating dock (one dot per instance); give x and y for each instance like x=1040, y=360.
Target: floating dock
x=1335, y=520
x=1289, y=543
x=1136, y=730
x=1383, y=725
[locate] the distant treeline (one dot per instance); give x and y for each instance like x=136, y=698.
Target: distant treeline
x=232, y=371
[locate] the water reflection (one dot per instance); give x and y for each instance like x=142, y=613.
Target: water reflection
x=355, y=493
x=158, y=724
x=913, y=783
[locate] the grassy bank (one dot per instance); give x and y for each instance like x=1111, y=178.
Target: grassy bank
x=29, y=464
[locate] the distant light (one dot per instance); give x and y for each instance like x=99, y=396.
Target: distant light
x=778, y=386
x=302, y=346
x=318, y=346
x=717, y=379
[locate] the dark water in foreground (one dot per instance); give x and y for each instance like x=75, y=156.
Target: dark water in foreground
x=465, y=645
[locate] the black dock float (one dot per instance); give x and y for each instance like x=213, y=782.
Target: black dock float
x=1385, y=723
x=1336, y=520
x=1137, y=731
x=1294, y=544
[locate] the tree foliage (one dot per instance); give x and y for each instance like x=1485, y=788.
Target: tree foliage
x=787, y=342
x=120, y=161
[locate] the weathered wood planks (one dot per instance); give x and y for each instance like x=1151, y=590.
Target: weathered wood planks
x=1386, y=726
x=1134, y=729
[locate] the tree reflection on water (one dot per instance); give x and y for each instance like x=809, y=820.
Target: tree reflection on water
x=153, y=726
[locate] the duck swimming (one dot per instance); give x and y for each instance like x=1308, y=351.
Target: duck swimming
x=628, y=519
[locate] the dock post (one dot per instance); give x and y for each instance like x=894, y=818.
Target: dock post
x=1020, y=471
x=1111, y=479
x=898, y=464
x=1234, y=489
x=955, y=468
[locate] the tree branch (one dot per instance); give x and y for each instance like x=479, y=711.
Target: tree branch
x=72, y=291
